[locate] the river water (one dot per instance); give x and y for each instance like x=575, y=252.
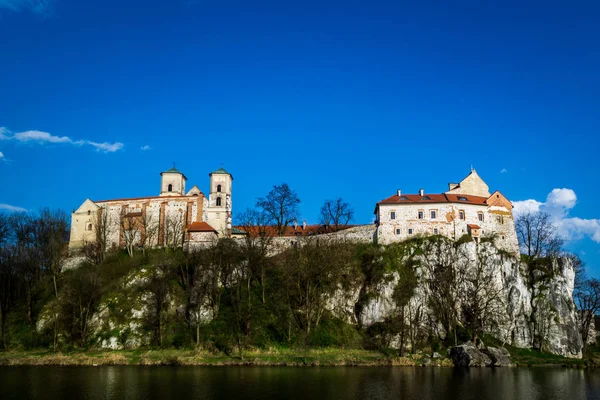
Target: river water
x=296, y=383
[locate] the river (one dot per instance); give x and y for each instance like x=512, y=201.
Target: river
x=297, y=383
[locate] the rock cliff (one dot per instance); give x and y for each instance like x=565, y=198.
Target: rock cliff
x=536, y=307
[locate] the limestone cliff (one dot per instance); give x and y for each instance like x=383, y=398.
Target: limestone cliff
x=536, y=304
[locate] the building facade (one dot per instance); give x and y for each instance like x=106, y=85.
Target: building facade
x=174, y=218
x=466, y=208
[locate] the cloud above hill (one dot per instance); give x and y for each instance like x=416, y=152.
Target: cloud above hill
x=559, y=204
x=42, y=138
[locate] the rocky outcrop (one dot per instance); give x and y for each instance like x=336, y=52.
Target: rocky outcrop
x=468, y=355
x=538, y=310
x=500, y=356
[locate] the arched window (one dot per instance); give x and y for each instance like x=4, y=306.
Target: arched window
x=89, y=227
x=218, y=203
x=219, y=188
x=170, y=188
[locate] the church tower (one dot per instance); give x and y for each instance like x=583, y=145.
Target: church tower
x=219, y=202
x=172, y=183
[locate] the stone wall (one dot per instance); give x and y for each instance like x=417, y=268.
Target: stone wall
x=496, y=220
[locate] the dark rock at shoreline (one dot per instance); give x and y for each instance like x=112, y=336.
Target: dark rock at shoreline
x=500, y=356
x=468, y=355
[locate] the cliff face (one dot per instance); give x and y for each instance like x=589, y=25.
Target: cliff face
x=535, y=307
x=527, y=306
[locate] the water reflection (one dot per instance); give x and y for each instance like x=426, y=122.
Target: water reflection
x=297, y=383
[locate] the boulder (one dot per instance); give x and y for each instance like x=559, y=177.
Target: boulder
x=500, y=356
x=468, y=355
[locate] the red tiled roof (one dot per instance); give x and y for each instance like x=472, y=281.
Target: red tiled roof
x=290, y=230
x=473, y=226
x=200, y=227
x=434, y=198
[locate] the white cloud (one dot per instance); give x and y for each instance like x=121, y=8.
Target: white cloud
x=41, y=137
x=9, y=208
x=559, y=204
x=45, y=137
x=561, y=200
x=36, y=6
x=503, y=171
x=4, y=133
x=526, y=206
x=1, y=155
x=145, y=148
x=107, y=147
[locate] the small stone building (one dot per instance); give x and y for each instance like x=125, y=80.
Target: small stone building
x=466, y=208
x=173, y=218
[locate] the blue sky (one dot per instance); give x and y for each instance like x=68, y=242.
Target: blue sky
x=351, y=99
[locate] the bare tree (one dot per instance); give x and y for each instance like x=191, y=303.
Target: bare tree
x=149, y=228
x=131, y=231
x=481, y=292
x=442, y=278
x=281, y=206
x=51, y=236
x=95, y=251
x=174, y=230
x=78, y=301
x=537, y=235
x=312, y=274
x=336, y=214
x=587, y=296
x=257, y=243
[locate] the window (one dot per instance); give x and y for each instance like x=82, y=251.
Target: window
x=480, y=216
x=502, y=237
x=500, y=219
x=89, y=212
x=403, y=198
x=393, y=215
x=435, y=231
x=397, y=231
x=89, y=227
x=218, y=202
x=410, y=231
x=170, y=188
x=462, y=198
x=425, y=198
x=461, y=214
x=219, y=188
x=420, y=215
x=433, y=214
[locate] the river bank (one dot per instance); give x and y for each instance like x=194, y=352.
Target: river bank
x=263, y=357
x=274, y=357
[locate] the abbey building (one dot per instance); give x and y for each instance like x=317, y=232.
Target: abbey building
x=174, y=218
x=465, y=208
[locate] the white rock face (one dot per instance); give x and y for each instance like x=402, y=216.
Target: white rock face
x=538, y=310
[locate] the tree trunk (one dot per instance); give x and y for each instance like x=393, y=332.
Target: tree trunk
x=198, y=330
x=55, y=287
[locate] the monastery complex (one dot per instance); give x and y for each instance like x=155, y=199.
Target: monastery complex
x=173, y=218
x=466, y=208
x=176, y=218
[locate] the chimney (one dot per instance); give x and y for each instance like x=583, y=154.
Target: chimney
x=399, y=192
x=295, y=224
x=304, y=224
x=421, y=192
